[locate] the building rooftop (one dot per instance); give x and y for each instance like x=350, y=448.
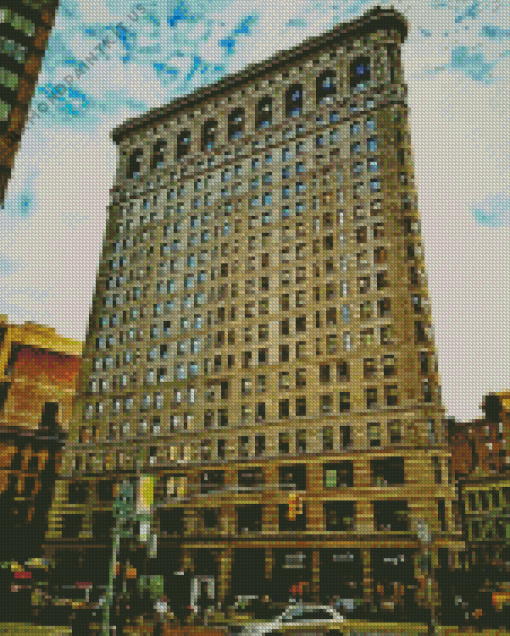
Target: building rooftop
x=42, y=337
x=376, y=18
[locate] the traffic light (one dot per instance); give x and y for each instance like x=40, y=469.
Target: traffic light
x=299, y=505
x=295, y=506
x=292, y=506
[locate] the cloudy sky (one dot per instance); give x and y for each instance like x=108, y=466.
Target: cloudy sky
x=456, y=62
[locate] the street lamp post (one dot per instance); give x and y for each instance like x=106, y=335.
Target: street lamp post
x=123, y=511
x=425, y=538
x=131, y=504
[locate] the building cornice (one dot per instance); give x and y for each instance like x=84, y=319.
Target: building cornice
x=371, y=21
x=41, y=337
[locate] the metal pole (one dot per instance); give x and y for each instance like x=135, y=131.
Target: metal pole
x=123, y=514
x=109, y=592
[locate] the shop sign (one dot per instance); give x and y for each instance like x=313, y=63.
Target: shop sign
x=342, y=558
x=145, y=494
x=294, y=561
x=395, y=560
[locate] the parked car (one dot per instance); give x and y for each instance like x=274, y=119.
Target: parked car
x=320, y=618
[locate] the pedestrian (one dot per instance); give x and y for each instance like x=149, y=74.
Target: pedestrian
x=161, y=607
x=120, y=615
x=80, y=622
x=265, y=610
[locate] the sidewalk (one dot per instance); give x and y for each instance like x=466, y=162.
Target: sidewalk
x=189, y=630
x=349, y=628
x=27, y=629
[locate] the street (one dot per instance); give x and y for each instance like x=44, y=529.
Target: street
x=349, y=628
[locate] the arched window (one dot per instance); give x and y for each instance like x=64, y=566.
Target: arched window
x=158, y=158
x=236, y=123
x=360, y=72
x=325, y=87
x=264, y=113
x=183, y=143
x=294, y=100
x=209, y=134
x=134, y=167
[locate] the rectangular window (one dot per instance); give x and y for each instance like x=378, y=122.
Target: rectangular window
x=284, y=443
x=300, y=378
x=345, y=437
x=326, y=404
x=391, y=395
x=394, y=432
x=391, y=515
x=374, y=435
x=301, y=441
x=300, y=406
x=327, y=438
x=436, y=464
x=339, y=516
x=345, y=402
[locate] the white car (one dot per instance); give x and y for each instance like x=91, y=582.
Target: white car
x=300, y=616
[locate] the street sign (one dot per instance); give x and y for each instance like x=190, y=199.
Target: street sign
x=124, y=501
x=153, y=546
x=145, y=494
x=423, y=531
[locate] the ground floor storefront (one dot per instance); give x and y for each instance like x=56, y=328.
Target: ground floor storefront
x=387, y=580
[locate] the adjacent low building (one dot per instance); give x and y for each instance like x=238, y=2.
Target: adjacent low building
x=481, y=467
x=38, y=378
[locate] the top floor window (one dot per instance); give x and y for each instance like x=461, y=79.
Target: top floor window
x=325, y=87
x=158, y=157
x=236, y=123
x=264, y=113
x=209, y=134
x=294, y=100
x=134, y=167
x=360, y=72
x=183, y=143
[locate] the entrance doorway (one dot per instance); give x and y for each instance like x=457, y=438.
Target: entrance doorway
x=394, y=583
x=250, y=560
x=291, y=574
x=202, y=592
x=341, y=578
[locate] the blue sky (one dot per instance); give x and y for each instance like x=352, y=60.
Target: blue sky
x=456, y=62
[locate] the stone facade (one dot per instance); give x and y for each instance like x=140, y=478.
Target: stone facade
x=260, y=338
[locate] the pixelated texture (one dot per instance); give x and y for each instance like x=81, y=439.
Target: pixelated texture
x=260, y=359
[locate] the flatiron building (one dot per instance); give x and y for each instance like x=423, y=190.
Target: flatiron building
x=260, y=338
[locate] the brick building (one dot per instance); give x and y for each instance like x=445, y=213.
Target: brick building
x=38, y=378
x=25, y=26
x=260, y=339
x=481, y=467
